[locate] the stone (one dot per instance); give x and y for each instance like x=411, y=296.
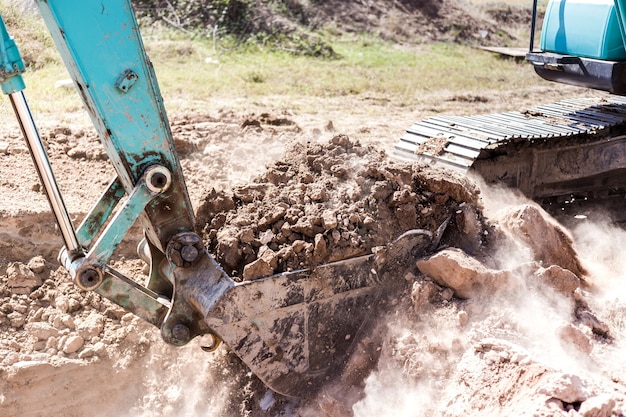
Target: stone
x=465, y=275
x=257, y=269
x=598, y=406
x=320, y=250
x=37, y=264
x=550, y=243
x=16, y=319
x=92, y=326
x=572, y=336
x=562, y=280
x=73, y=343
x=568, y=388
x=41, y=330
x=329, y=220
x=21, y=280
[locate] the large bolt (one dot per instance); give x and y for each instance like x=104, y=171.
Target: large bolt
x=189, y=253
x=181, y=332
x=184, y=249
x=89, y=279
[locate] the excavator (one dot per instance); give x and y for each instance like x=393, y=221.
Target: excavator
x=564, y=155
x=294, y=330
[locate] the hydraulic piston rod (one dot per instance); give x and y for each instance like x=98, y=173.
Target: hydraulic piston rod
x=42, y=164
x=11, y=68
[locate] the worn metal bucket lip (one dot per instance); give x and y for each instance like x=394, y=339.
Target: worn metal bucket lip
x=296, y=329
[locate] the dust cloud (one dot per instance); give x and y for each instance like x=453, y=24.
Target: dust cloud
x=523, y=350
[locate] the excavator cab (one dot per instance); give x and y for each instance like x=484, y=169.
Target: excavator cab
x=582, y=43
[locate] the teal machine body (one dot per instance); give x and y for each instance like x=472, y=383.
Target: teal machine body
x=582, y=43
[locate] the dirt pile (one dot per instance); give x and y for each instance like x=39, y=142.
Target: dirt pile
x=323, y=203
x=417, y=22
x=326, y=202
x=303, y=27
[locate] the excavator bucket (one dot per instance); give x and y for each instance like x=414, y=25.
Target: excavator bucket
x=296, y=330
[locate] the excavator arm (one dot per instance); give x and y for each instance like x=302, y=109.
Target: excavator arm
x=293, y=330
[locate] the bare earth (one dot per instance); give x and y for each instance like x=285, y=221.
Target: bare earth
x=510, y=339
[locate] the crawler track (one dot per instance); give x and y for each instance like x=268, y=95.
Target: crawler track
x=573, y=149
x=570, y=156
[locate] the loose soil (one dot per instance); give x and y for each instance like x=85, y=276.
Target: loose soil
x=508, y=313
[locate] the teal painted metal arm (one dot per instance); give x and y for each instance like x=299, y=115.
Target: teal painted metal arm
x=294, y=330
x=103, y=51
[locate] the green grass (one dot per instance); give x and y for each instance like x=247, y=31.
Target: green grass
x=365, y=67
x=196, y=71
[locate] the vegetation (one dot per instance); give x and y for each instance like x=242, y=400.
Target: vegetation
x=232, y=23
x=193, y=67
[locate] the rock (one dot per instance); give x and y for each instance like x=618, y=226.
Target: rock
x=4, y=148
x=229, y=252
x=263, y=266
x=565, y=387
x=42, y=331
x=329, y=220
x=92, y=326
x=299, y=245
x=271, y=218
x=423, y=293
x=21, y=280
x=447, y=294
x=590, y=320
x=266, y=237
x=470, y=228
x=73, y=343
x=62, y=303
x=320, y=250
x=562, y=280
x=465, y=275
x=257, y=269
x=37, y=264
x=598, y=406
x=463, y=317
x=572, y=336
x=459, y=187
x=269, y=256
x=548, y=241
x=86, y=353
x=16, y=319
x=100, y=349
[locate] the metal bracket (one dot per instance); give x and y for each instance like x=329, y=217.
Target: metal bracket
x=12, y=64
x=199, y=284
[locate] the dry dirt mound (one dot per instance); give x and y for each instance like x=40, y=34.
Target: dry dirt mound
x=323, y=203
x=303, y=26
x=417, y=22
